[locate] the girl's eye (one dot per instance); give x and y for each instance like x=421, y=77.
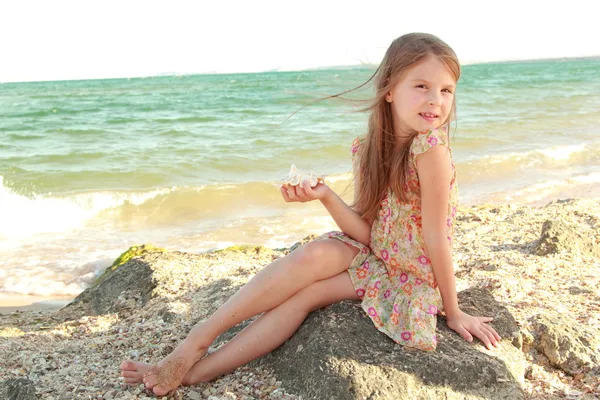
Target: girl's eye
x=448, y=91
x=421, y=86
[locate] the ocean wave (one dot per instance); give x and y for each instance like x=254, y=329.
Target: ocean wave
x=546, y=159
x=24, y=216
x=184, y=119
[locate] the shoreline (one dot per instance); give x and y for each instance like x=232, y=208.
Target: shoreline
x=16, y=302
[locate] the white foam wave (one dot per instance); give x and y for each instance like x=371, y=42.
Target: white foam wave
x=556, y=153
x=24, y=216
x=564, y=152
x=546, y=189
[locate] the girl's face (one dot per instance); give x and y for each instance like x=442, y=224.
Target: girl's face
x=423, y=97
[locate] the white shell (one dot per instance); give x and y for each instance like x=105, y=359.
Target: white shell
x=296, y=176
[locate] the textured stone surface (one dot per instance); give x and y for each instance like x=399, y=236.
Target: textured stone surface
x=338, y=354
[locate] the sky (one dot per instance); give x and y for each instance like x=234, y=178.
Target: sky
x=68, y=40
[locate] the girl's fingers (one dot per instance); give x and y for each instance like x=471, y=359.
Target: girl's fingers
x=310, y=192
x=285, y=194
x=483, y=336
x=465, y=334
x=301, y=193
x=490, y=319
x=291, y=191
x=489, y=331
x=494, y=333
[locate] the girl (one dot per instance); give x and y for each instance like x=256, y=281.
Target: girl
x=395, y=249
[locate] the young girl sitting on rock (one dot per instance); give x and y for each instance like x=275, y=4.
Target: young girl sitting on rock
x=394, y=251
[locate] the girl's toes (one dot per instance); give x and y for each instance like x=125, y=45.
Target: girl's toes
x=160, y=390
x=151, y=378
x=131, y=374
x=127, y=366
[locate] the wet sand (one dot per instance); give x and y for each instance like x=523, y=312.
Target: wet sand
x=11, y=302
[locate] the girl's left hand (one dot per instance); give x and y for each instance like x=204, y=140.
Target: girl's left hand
x=467, y=325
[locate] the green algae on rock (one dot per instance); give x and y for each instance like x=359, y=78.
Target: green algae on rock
x=133, y=251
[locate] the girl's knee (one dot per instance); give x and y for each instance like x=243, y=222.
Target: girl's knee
x=311, y=252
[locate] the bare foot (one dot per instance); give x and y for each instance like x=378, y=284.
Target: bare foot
x=169, y=373
x=133, y=372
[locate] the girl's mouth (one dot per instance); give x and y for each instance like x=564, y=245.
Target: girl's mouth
x=428, y=116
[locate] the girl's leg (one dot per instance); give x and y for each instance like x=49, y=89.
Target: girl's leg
x=270, y=287
x=272, y=328
x=263, y=335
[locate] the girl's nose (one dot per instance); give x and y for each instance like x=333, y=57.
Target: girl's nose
x=435, y=99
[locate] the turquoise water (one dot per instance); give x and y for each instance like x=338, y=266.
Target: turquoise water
x=88, y=168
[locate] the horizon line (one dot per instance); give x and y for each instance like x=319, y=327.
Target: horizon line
x=208, y=73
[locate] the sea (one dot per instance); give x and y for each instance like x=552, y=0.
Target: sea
x=194, y=162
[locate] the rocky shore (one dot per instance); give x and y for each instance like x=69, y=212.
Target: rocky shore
x=536, y=270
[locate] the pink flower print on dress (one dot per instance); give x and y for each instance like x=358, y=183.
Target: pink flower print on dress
x=403, y=277
x=396, y=309
x=372, y=311
x=360, y=292
x=418, y=281
x=432, y=141
x=423, y=260
x=366, y=265
x=433, y=310
x=387, y=294
x=406, y=336
x=377, y=285
x=410, y=237
x=449, y=222
x=395, y=247
x=364, y=250
x=385, y=255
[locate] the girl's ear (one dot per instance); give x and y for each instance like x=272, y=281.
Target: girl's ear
x=388, y=97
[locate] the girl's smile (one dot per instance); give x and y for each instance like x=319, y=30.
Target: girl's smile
x=423, y=97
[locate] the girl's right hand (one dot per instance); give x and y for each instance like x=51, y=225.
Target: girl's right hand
x=303, y=193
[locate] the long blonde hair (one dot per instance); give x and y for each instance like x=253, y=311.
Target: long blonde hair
x=381, y=164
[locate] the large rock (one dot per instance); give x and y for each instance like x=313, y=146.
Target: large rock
x=558, y=236
x=338, y=354
x=568, y=344
x=17, y=389
x=128, y=283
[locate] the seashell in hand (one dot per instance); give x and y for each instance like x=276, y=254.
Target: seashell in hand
x=296, y=176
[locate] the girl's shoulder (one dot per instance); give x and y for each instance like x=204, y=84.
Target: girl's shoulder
x=428, y=139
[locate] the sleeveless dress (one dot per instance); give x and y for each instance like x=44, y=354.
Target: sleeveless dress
x=393, y=276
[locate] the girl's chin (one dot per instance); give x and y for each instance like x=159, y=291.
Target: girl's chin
x=427, y=127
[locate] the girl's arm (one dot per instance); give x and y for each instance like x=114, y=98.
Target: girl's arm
x=434, y=168
x=348, y=220
x=435, y=174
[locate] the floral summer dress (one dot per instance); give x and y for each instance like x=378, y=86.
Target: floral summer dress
x=394, y=277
